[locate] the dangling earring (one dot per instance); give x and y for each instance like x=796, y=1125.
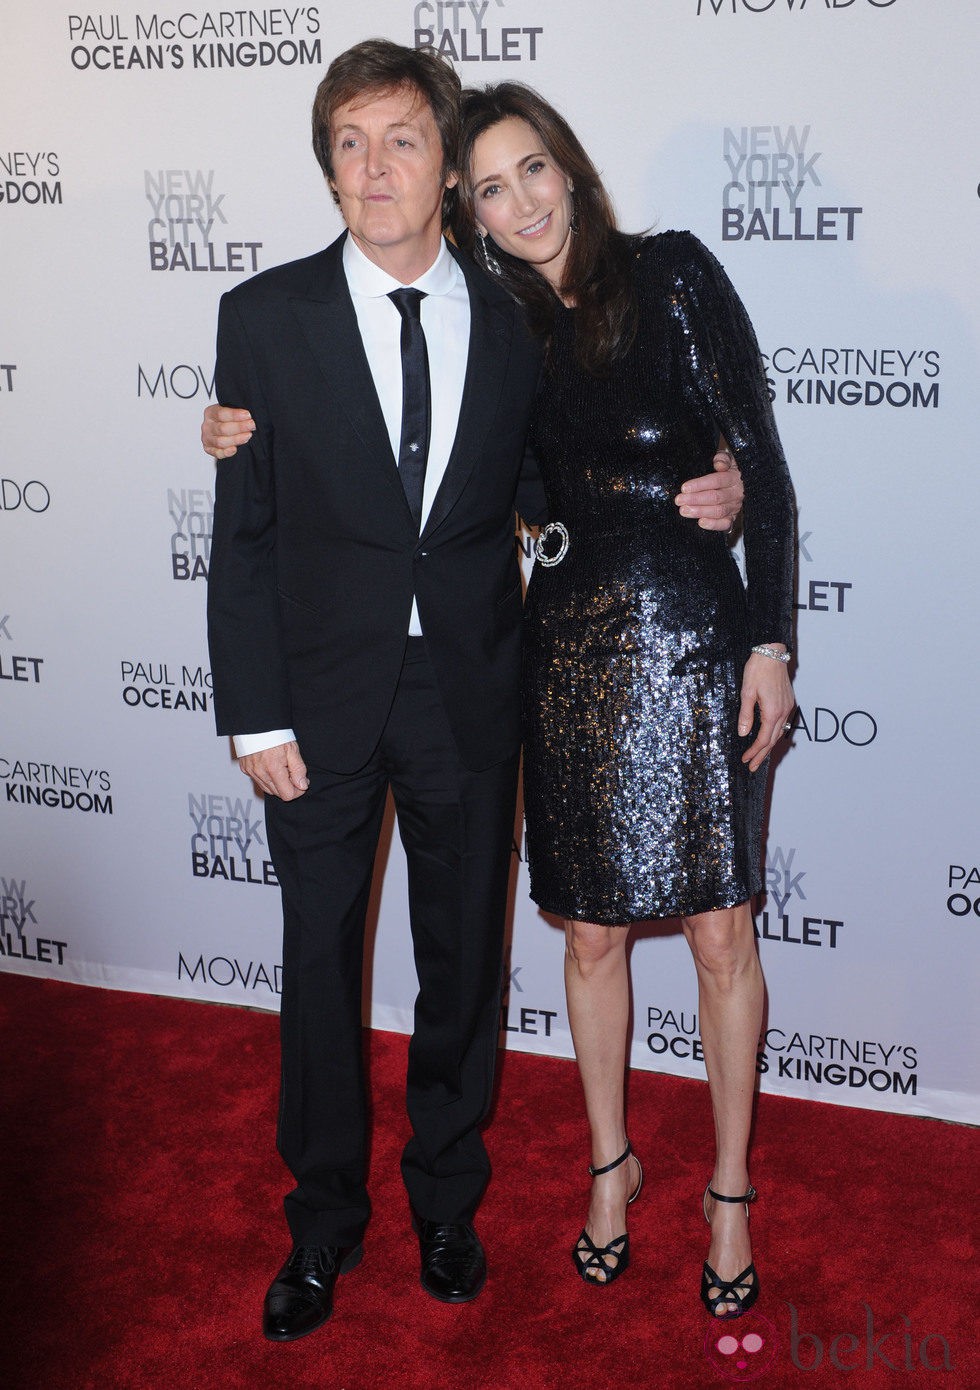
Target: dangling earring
x=573, y=220
x=490, y=261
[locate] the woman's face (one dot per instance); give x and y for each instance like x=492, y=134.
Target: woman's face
x=521, y=197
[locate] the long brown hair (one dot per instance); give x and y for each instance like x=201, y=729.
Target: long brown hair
x=596, y=274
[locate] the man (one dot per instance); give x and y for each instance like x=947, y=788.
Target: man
x=364, y=621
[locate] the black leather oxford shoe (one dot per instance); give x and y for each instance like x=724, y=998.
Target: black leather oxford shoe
x=300, y=1298
x=454, y=1267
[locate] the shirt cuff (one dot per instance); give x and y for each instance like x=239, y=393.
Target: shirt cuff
x=258, y=743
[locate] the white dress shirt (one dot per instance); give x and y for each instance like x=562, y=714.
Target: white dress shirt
x=445, y=313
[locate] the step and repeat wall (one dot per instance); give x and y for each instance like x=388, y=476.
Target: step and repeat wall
x=153, y=156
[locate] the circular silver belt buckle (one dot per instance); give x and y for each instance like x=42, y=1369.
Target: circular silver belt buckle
x=553, y=528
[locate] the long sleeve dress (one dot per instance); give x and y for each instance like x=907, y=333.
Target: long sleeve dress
x=636, y=799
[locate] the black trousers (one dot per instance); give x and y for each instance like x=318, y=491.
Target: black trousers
x=456, y=827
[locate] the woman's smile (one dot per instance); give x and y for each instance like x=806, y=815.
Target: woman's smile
x=512, y=178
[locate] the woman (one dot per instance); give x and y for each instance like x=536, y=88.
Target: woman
x=655, y=686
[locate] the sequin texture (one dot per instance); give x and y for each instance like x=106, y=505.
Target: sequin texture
x=636, y=800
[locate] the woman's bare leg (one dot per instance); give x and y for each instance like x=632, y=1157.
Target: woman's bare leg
x=597, y=991
x=730, y=1004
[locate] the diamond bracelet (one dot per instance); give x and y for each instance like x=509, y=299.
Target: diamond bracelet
x=772, y=653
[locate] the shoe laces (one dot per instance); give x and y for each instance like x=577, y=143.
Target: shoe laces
x=311, y=1259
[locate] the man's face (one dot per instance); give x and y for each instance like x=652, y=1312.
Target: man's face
x=388, y=161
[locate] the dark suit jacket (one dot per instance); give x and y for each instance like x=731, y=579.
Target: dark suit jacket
x=314, y=557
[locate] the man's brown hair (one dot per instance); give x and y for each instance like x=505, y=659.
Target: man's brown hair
x=375, y=68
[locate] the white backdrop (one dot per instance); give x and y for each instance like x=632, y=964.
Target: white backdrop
x=151, y=158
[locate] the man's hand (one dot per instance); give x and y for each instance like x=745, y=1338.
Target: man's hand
x=766, y=684
x=714, y=499
x=223, y=429
x=278, y=771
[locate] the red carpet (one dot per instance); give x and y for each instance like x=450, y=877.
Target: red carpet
x=142, y=1221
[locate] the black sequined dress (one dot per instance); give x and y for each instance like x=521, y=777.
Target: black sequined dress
x=636, y=800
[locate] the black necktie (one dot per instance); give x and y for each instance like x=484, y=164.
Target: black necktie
x=413, y=447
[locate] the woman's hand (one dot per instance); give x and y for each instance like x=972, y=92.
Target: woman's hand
x=223, y=429
x=766, y=686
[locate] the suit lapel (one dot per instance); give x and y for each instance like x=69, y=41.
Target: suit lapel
x=326, y=316
x=325, y=313
x=491, y=329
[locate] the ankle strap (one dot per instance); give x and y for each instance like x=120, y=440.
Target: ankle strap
x=598, y=1172
x=749, y=1196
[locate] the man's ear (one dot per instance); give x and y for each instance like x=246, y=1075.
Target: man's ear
x=452, y=179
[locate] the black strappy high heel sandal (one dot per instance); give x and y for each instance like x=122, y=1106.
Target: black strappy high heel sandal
x=728, y=1289
x=590, y=1259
